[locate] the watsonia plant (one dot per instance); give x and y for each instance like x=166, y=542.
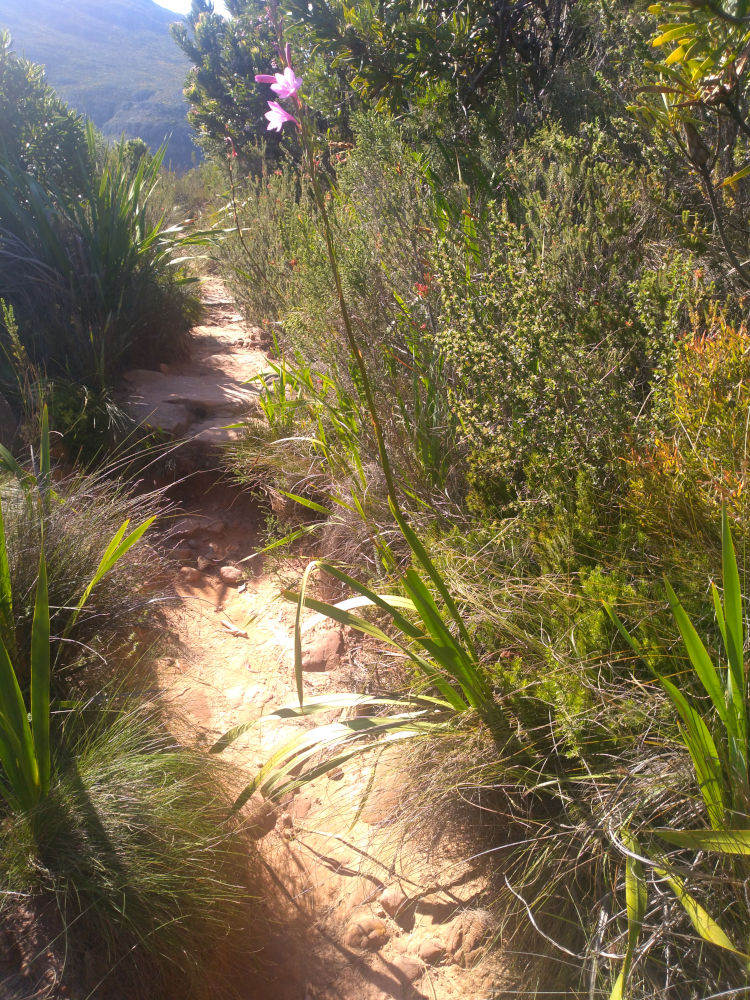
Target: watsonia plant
x=25, y=756
x=436, y=641
x=719, y=748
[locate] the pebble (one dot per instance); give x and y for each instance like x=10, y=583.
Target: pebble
x=467, y=934
x=322, y=653
x=393, y=899
x=260, y=816
x=431, y=951
x=410, y=968
x=231, y=575
x=366, y=932
x=203, y=564
x=190, y=575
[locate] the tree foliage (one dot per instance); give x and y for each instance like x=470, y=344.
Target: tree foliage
x=38, y=132
x=226, y=105
x=697, y=95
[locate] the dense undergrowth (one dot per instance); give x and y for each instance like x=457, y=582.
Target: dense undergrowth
x=121, y=869
x=552, y=328
x=503, y=259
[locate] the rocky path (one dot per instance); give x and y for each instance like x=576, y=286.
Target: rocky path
x=359, y=909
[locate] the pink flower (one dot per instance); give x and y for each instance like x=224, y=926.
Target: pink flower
x=284, y=84
x=278, y=116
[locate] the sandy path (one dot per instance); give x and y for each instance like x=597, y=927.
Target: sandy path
x=358, y=911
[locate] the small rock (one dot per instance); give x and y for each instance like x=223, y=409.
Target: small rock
x=186, y=527
x=323, y=652
x=182, y=553
x=190, y=575
x=410, y=968
x=231, y=575
x=217, y=527
x=203, y=564
x=300, y=806
x=285, y=821
x=393, y=899
x=467, y=934
x=260, y=817
x=431, y=951
x=366, y=931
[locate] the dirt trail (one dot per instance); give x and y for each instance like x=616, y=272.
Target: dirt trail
x=358, y=911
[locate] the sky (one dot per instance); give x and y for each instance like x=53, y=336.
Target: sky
x=183, y=6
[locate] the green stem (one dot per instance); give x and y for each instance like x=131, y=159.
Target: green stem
x=390, y=480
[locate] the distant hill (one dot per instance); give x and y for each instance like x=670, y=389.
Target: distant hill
x=113, y=60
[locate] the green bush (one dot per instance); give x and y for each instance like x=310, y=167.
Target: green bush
x=90, y=278
x=38, y=132
x=86, y=512
x=560, y=308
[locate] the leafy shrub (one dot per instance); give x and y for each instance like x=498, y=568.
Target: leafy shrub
x=38, y=132
x=697, y=458
x=90, y=279
x=86, y=512
x=559, y=310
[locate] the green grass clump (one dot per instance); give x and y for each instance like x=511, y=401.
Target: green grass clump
x=133, y=850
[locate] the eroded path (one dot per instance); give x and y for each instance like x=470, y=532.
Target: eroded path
x=359, y=909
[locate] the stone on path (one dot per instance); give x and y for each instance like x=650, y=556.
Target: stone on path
x=366, y=932
x=323, y=651
x=231, y=575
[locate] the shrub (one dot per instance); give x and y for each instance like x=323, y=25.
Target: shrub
x=131, y=860
x=559, y=309
x=696, y=460
x=38, y=132
x=86, y=512
x=90, y=279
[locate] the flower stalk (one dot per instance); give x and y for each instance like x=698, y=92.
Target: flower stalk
x=287, y=85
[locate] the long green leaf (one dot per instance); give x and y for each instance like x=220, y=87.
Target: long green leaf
x=703, y=753
x=734, y=642
x=15, y=723
x=40, y=675
x=298, y=629
x=720, y=841
x=702, y=921
x=636, y=900
x=700, y=659
x=7, y=624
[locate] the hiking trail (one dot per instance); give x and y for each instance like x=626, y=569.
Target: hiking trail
x=358, y=909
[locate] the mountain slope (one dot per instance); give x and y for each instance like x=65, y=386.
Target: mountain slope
x=114, y=60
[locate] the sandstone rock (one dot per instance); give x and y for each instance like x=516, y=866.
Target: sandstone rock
x=393, y=899
x=190, y=575
x=367, y=932
x=186, y=527
x=300, y=806
x=172, y=418
x=322, y=652
x=8, y=423
x=285, y=821
x=467, y=935
x=260, y=817
x=410, y=968
x=231, y=575
x=431, y=951
x=215, y=527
